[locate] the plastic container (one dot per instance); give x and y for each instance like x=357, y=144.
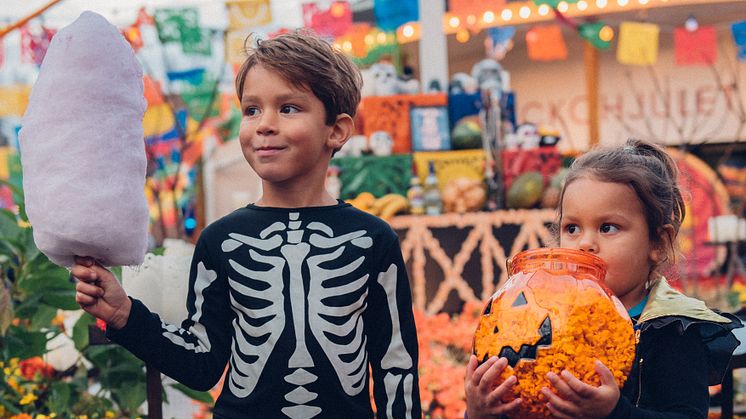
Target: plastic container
x=554, y=313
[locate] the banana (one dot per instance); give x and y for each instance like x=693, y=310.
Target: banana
x=382, y=202
x=394, y=206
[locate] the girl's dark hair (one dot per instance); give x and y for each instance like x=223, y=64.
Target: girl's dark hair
x=653, y=175
x=308, y=62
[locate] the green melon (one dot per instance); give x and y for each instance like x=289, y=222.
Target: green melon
x=466, y=134
x=526, y=191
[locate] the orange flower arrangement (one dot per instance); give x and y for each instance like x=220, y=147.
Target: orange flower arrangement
x=444, y=349
x=552, y=317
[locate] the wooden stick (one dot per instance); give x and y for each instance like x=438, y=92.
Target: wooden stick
x=4, y=31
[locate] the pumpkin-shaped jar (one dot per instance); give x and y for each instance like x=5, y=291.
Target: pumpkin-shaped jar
x=554, y=313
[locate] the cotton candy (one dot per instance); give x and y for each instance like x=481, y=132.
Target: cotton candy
x=82, y=148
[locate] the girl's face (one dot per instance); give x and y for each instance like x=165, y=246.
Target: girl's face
x=607, y=219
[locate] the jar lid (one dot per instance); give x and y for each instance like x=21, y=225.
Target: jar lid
x=557, y=259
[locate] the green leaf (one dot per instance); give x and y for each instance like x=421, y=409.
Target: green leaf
x=129, y=395
x=59, y=396
x=42, y=317
x=200, y=396
x=24, y=344
x=6, y=309
x=63, y=299
x=80, y=331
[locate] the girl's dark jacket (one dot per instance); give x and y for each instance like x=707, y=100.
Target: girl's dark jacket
x=683, y=347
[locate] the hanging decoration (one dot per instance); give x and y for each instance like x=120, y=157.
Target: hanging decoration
x=598, y=34
x=332, y=21
x=381, y=45
x=693, y=47
x=13, y=100
x=466, y=8
x=638, y=43
x=739, y=37
x=499, y=41
x=34, y=44
x=390, y=14
x=546, y=43
x=235, y=46
x=182, y=26
x=246, y=14
x=353, y=42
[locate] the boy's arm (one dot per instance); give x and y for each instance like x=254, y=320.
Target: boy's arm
x=196, y=353
x=392, y=339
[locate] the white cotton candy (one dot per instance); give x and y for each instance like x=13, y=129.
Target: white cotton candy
x=82, y=148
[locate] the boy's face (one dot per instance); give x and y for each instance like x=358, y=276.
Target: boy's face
x=283, y=133
x=607, y=219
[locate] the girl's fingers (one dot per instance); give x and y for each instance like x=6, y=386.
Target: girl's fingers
x=577, y=387
x=481, y=370
x=489, y=377
x=558, y=404
x=562, y=387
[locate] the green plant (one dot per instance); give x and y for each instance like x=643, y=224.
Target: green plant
x=35, y=295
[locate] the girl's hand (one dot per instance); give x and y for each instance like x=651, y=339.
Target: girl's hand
x=99, y=293
x=576, y=399
x=483, y=397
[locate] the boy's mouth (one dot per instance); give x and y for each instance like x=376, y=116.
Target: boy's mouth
x=265, y=151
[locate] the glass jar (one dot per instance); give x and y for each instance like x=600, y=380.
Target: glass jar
x=554, y=313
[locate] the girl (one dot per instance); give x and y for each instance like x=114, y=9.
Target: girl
x=624, y=205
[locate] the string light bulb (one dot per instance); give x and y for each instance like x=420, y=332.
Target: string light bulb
x=489, y=16
x=544, y=10
x=462, y=35
x=506, y=14
x=622, y=3
x=601, y=3
x=454, y=21
x=563, y=6
x=582, y=5
x=524, y=12
x=408, y=31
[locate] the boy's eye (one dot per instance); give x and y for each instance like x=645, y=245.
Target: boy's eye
x=251, y=111
x=609, y=228
x=289, y=109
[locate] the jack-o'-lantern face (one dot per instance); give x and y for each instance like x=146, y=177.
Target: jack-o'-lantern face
x=521, y=326
x=554, y=317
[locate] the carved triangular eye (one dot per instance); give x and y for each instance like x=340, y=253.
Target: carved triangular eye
x=520, y=300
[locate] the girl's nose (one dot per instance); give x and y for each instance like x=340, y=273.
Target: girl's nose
x=588, y=243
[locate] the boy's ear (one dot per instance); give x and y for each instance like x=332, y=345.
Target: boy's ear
x=342, y=130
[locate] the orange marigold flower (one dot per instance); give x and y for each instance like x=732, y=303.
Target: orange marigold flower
x=29, y=368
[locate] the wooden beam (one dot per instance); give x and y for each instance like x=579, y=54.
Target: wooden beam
x=590, y=58
x=13, y=26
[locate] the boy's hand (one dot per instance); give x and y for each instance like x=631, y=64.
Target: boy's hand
x=483, y=397
x=576, y=399
x=99, y=293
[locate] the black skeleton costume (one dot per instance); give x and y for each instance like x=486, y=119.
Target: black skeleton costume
x=300, y=303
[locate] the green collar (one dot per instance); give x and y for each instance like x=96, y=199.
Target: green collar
x=666, y=301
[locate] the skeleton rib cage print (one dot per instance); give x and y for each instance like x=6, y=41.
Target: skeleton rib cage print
x=300, y=297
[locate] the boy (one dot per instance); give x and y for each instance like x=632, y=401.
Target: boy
x=299, y=293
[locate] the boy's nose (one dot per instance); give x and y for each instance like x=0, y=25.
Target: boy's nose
x=267, y=125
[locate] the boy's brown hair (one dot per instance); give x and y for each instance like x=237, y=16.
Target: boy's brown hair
x=308, y=62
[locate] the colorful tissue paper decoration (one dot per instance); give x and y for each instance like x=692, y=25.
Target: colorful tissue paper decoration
x=546, y=43
x=334, y=21
x=246, y=14
x=553, y=3
x=390, y=14
x=598, y=34
x=638, y=43
x=474, y=7
x=739, y=37
x=695, y=47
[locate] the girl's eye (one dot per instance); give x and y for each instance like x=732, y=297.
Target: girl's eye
x=251, y=111
x=571, y=228
x=609, y=228
x=289, y=109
